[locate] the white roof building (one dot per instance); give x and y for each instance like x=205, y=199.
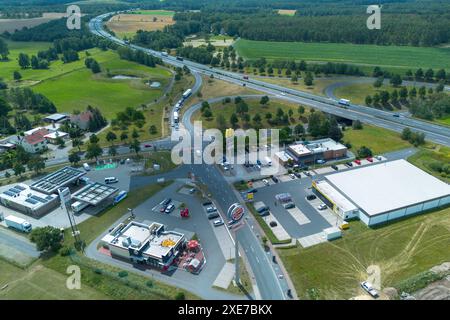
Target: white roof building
x=390, y=190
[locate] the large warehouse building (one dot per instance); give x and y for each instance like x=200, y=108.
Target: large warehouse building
x=383, y=192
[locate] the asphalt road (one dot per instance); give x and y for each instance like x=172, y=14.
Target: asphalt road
x=433, y=132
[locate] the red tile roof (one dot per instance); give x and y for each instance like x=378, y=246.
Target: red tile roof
x=36, y=137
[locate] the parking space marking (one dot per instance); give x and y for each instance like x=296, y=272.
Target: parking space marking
x=312, y=240
x=298, y=216
x=278, y=230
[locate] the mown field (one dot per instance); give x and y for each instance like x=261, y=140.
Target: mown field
x=333, y=270
x=77, y=89
x=38, y=282
x=126, y=25
x=357, y=93
x=389, y=57
x=377, y=139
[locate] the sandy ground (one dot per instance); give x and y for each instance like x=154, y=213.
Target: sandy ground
x=217, y=43
x=134, y=22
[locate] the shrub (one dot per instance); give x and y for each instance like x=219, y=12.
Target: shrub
x=123, y=274
x=149, y=283
x=180, y=296
x=65, y=251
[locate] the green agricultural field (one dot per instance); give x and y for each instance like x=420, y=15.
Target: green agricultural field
x=333, y=270
x=401, y=57
x=377, y=139
x=254, y=107
x=39, y=282
x=76, y=90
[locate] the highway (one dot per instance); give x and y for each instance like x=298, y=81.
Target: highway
x=269, y=285
x=433, y=132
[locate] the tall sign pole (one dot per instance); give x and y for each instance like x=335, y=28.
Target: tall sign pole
x=235, y=213
x=65, y=197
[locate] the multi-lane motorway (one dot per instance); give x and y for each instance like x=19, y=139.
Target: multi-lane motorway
x=269, y=285
x=433, y=132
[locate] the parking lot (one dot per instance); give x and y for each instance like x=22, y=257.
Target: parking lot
x=215, y=241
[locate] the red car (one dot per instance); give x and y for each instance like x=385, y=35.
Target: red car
x=358, y=162
x=147, y=145
x=370, y=159
x=184, y=213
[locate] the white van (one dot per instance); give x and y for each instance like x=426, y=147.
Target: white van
x=111, y=180
x=86, y=167
x=77, y=206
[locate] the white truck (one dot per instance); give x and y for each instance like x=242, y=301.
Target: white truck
x=18, y=224
x=77, y=206
x=344, y=102
x=175, y=117
x=86, y=167
x=187, y=93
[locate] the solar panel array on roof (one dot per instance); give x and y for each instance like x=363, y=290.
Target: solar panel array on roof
x=94, y=193
x=32, y=201
x=61, y=178
x=9, y=193
x=19, y=187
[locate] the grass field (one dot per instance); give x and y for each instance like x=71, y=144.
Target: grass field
x=75, y=90
x=357, y=93
x=377, y=139
x=333, y=270
x=445, y=121
x=372, y=55
x=431, y=154
x=318, y=86
x=254, y=107
x=147, y=20
x=38, y=282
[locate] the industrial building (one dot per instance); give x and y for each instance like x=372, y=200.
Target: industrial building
x=58, y=179
x=28, y=201
x=310, y=152
x=144, y=243
x=383, y=192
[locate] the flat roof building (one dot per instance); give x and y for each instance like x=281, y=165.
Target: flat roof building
x=20, y=197
x=310, y=152
x=56, y=117
x=58, y=179
x=390, y=190
x=144, y=243
x=94, y=193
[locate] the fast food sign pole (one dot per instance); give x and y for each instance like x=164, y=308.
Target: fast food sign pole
x=235, y=213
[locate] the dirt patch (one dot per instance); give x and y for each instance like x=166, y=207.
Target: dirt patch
x=216, y=42
x=126, y=23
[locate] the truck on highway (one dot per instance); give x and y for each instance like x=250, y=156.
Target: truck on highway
x=77, y=206
x=175, y=117
x=18, y=224
x=164, y=54
x=179, y=58
x=187, y=93
x=245, y=77
x=344, y=102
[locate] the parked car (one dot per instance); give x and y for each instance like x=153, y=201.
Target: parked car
x=335, y=167
x=292, y=176
x=265, y=182
x=169, y=208
x=358, y=162
x=207, y=203
x=109, y=180
x=320, y=161
x=370, y=159
x=192, y=190
x=367, y=286
x=275, y=179
x=349, y=164
x=273, y=224
x=166, y=201
x=307, y=173
x=322, y=206
x=218, y=222
x=310, y=197
x=379, y=158
x=147, y=145
x=289, y=205
x=298, y=174
x=253, y=190
x=213, y=215
x=211, y=209
x=264, y=213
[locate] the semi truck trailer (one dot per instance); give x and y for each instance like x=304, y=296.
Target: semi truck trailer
x=18, y=224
